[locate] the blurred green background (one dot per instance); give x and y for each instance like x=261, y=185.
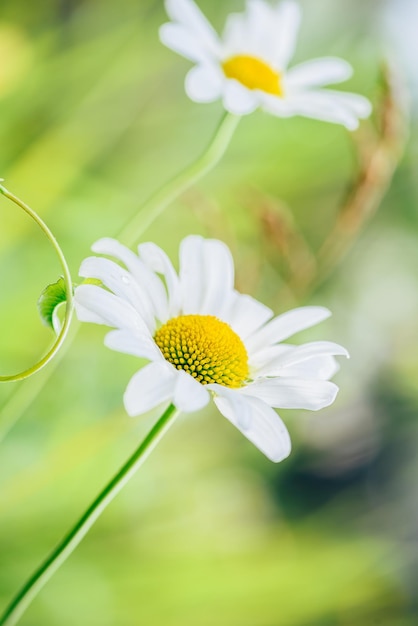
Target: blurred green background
x=93, y=118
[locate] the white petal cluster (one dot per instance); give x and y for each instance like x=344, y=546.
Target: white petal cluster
x=140, y=293
x=267, y=33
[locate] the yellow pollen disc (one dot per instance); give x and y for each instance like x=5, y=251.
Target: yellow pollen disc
x=204, y=347
x=253, y=73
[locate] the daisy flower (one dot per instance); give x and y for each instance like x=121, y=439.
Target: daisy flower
x=203, y=339
x=248, y=66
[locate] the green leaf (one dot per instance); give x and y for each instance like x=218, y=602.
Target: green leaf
x=52, y=296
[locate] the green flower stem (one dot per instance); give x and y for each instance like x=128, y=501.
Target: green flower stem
x=29, y=591
x=174, y=188
x=68, y=287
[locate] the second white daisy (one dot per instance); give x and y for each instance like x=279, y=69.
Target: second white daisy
x=248, y=66
x=204, y=339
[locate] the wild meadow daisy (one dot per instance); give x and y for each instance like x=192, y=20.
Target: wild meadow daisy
x=205, y=340
x=247, y=67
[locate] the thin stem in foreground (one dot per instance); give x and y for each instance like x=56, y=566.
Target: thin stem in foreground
x=28, y=592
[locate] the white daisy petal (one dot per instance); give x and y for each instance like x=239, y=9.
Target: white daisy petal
x=245, y=33
x=239, y=100
x=129, y=343
x=191, y=272
x=286, y=325
x=182, y=41
x=84, y=314
x=151, y=386
x=189, y=395
x=256, y=420
x=301, y=353
x=204, y=83
x=293, y=393
x=318, y=72
x=122, y=284
x=108, y=308
x=320, y=105
x=218, y=276
x=259, y=359
x=281, y=107
x=187, y=13
x=288, y=17
x=327, y=114
x=143, y=275
x=206, y=275
x=318, y=368
x=157, y=260
x=112, y=247
x=356, y=104
x=246, y=315
x=235, y=34
x=240, y=411
x=259, y=16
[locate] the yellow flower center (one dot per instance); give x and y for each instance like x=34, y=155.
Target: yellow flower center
x=204, y=347
x=253, y=73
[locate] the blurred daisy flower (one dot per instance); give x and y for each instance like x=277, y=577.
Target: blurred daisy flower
x=247, y=66
x=204, y=339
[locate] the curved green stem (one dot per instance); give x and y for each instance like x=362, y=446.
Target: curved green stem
x=68, y=287
x=175, y=187
x=28, y=592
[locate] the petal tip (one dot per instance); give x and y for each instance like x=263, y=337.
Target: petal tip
x=162, y=33
x=128, y=408
x=102, y=245
x=352, y=125
x=326, y=311
x=282, y=454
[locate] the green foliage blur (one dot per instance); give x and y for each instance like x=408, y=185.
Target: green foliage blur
x=94, y=118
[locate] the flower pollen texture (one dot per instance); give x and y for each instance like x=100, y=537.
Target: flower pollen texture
x=204, y=347
x=253, y=73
